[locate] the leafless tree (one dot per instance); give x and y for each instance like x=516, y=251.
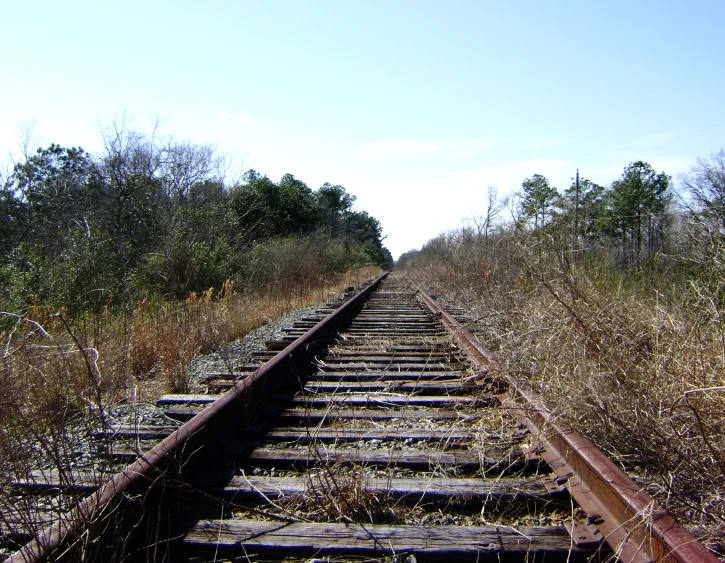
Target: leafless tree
x=706, y=185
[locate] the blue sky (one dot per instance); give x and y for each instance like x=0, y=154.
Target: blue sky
x=414, y=107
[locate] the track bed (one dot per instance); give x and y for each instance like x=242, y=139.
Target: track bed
x=371, y=436
x=393, y=445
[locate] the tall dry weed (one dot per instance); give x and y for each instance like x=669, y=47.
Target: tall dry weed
x=636, y=363
x=165, y=337
x=53, y=394
x=57, y=378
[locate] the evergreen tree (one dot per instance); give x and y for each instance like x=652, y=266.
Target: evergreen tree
x=637, y=203
x=538, y=198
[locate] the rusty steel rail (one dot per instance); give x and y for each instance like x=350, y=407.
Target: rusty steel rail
x=193, y=448
x=634, y=525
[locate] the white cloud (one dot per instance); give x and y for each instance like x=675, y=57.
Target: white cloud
x=465, y=148
x=416, y=207
x=672, y=166
x=240, y=117
x=473, y=144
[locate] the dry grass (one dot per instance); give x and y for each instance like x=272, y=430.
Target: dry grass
x=57, y=377
x=57, y=365
x=639, y=370
x=341, y=493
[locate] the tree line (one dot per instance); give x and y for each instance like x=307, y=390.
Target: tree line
x=630, y=213
x=151, y=216
x=638, y=218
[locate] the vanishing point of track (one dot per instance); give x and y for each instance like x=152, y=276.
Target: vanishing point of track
x=378, y=430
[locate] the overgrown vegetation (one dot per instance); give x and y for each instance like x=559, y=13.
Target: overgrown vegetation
x=152, y=217
x=120, y=267
x=62, y=384
x=116, y=269
x=146, y=255
x=610, y=301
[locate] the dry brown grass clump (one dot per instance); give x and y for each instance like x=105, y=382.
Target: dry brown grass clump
x=165, y=338
x=50, y=364
x=339, y=493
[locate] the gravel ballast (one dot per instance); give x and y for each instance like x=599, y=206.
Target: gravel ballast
x=242, y=349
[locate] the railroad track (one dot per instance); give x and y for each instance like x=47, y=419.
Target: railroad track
x=379, y=430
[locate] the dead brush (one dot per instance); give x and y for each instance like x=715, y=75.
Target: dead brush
x=639, y=369
x=57, y=377
x=52, y=408
x=341, y=493
x=143, y=353
x=176, y=348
